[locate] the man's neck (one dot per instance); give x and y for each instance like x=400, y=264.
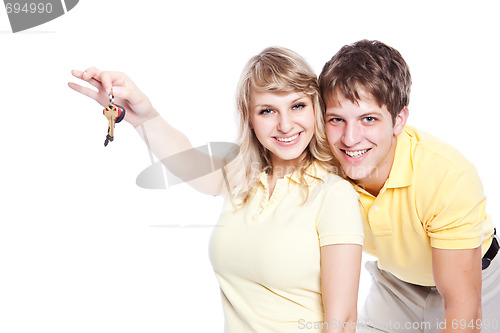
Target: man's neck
x=372, y=188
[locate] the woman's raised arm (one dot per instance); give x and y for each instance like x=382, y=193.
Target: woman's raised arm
x=163, y=139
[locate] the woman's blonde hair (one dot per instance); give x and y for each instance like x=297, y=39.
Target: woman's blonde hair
x=280, y=70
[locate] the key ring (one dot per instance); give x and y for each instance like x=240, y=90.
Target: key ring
x=111, y=97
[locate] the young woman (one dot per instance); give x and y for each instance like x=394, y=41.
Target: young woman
x=287, y=254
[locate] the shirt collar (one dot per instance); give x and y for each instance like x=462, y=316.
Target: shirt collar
x=313, y=172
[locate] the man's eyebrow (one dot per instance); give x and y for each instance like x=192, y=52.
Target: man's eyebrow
x=331, y=113
x=370, y=113
x=366, y=114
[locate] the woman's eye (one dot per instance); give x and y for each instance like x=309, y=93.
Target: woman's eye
x=265, y=111
x=299, y=106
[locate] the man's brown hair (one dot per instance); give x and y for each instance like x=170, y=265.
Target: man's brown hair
x=370, y=66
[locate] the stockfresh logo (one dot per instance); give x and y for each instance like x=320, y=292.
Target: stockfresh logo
x=26, y=14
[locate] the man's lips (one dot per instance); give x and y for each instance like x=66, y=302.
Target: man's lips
x=355, y=155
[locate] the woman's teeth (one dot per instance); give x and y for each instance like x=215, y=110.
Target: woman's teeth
x=355, y=154
x=288, y=139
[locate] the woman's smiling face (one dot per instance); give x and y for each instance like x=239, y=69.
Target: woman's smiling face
x=283, y=123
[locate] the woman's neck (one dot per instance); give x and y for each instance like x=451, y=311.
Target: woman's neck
x=281, y=168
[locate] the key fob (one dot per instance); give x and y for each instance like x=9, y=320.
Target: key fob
x=121, y=113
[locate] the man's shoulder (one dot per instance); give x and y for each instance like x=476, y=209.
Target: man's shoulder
x=431, y=153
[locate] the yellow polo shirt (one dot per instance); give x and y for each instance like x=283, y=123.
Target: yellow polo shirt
x=266, y=255
x=432, y=198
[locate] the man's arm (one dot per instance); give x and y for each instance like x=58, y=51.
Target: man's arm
x=457, y=274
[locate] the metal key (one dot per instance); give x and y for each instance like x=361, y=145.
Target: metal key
x=114, y=113
x=111, y=112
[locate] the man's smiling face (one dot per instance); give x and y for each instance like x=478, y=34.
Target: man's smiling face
x=362, y=136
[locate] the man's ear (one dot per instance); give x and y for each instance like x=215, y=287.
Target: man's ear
x=400, y=121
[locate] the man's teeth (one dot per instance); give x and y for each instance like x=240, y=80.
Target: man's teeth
x=288, y=139
x=355, y=154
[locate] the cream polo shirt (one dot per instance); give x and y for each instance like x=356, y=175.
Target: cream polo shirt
x=432, y=198
x=266, y=255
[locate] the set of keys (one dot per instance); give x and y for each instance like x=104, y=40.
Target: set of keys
x=114, y=113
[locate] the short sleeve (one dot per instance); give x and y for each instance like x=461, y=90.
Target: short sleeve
x=455, y=213
x=339, y=219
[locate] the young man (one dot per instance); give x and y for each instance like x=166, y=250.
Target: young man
x=422, y=203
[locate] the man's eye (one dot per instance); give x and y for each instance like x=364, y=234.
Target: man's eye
x=369, y=119
x=335, y=120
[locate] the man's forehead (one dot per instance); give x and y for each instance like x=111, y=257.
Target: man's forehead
x=337, y=98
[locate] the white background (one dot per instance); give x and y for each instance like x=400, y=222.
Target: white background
x=82, y=248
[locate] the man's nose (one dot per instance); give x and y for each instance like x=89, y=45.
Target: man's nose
x=352, y=134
